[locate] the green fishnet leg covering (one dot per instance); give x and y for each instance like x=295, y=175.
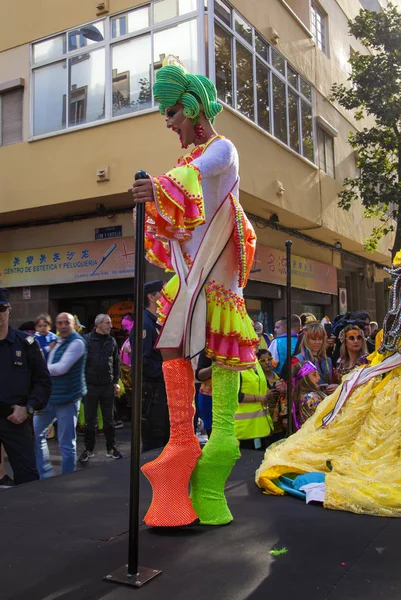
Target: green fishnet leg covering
x=219, y=454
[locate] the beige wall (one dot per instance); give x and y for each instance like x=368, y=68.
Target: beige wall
x=57, y=175
x=43, y=18
x=58, y=234
x=62, y=169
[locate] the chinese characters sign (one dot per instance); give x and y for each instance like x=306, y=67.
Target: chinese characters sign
x=270, y=266
x=88, y=261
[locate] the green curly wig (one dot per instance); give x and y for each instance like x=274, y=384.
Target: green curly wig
x=174, y=85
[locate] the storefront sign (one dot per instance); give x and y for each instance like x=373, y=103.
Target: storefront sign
x=87, y=261
x=106, y=233
x=270, y=266
x=118, y=310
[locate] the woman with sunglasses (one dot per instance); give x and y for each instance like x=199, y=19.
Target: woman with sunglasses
x=353, y=351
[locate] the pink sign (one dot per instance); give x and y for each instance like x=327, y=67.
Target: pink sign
x=270, y=266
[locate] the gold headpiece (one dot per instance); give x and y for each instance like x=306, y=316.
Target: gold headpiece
x=171, y=59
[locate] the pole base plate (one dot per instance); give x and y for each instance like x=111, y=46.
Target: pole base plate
x=122, y=577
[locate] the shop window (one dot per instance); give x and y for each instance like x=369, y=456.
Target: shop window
x=11, y=116
x=317, y=311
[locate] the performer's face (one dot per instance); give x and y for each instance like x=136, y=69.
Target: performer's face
x=176, y=121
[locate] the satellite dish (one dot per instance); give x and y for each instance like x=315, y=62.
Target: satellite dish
x=91, y=33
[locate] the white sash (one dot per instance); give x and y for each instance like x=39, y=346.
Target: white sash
x=358, y=378
x=186, y=321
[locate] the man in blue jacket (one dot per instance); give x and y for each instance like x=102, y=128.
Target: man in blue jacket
x=66, y=364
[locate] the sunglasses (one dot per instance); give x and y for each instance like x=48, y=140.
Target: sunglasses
x=4, y=307
x=355, y=338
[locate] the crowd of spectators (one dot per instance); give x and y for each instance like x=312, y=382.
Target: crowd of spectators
x=322, y=353
x=45, y=378
x=69, y=376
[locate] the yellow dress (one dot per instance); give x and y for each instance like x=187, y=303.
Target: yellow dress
x=359, y=450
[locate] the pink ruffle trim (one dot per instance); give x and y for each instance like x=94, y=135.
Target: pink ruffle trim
x=230, y=351
x=187, y=203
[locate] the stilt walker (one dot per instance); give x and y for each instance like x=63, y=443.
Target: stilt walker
x=196, y=227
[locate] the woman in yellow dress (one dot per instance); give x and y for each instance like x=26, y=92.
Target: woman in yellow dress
x=354, y=435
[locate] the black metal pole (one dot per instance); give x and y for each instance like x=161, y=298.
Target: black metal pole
x=136, y=386
x=132, y=574
x=288, y=245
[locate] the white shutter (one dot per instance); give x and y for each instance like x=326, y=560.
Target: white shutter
x=11, y=116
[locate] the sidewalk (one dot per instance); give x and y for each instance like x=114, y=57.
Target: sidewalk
x=123, y=443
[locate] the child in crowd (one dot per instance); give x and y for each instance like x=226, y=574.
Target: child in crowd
x=306, y=392
x=276, y=397
x=43, y=333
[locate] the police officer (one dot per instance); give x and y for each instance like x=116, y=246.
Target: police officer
x=25, y=386
x=155, y=421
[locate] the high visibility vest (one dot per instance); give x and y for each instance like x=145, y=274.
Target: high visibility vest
x=252, y=420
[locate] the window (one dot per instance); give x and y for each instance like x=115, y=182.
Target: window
x=325, y=143
x=256, y=80
x=318, y=27
x=11, y=116
x=106, y=69
x=371, y=5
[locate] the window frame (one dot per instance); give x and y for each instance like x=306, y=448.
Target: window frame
x=320, y=17
x=16, y=85
x=108, y=43
x=267, y=62
x=323, y=160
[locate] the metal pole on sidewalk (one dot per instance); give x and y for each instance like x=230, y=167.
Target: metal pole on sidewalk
x=132, y=574
x=288, y=245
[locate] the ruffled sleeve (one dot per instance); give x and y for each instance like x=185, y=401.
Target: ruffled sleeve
x=177, y=210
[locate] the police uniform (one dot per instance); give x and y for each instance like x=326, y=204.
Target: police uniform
x=155, y=420
x=24, y=380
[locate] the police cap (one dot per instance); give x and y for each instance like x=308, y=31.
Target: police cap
x=4, y=296
x=151, y=287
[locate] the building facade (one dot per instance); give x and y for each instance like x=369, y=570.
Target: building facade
x=78, y=119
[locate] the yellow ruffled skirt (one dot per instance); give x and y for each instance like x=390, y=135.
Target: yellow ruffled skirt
x=360, y=450
x=230, y=336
